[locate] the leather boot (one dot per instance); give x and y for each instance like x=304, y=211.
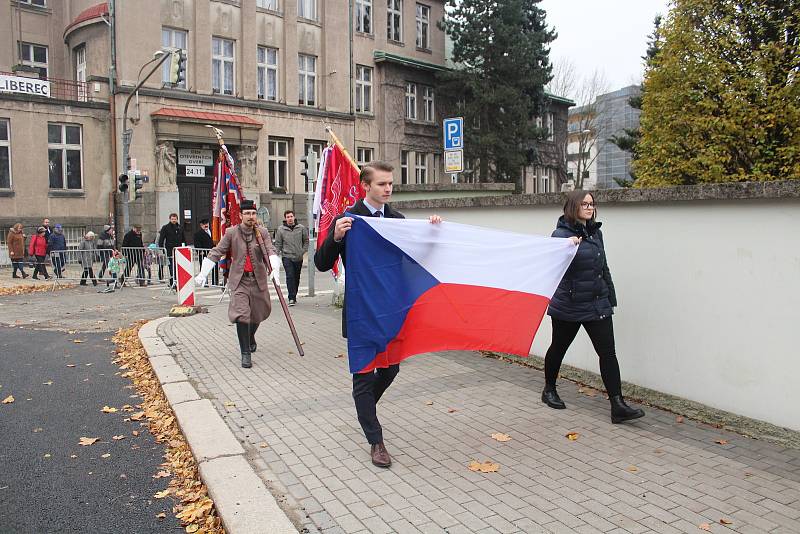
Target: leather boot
x=253, y=346
x=380, y=456
x=621, y=412
x=247, y=362
x=550, y=397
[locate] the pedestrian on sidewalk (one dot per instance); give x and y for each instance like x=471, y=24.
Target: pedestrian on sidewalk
x=248, y=280
x=16, y=250
x=203, y=243
x=376, y=179
x=117, y=267
x=55, y=245
x=585, y=297
x=291, y=242
x=132, y=241
x=88, y=253
x=105, y=247
x=169, y=237
x=38, y=249
x=150, y=256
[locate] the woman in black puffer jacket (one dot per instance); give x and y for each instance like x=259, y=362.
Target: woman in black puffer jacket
x=585, y=297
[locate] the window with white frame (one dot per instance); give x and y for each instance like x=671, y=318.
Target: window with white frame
x=65, y=156
x=307, y=9
x=222, y=66
x=278, y=164
x=550, y=126
x=267, y=65
x=437, y=162
x=421, y=168
x=272, y=5
x=411, y=100
x=316, y=147
x=394, y=20
x=80, y=72
x=307, y=69
x=404, y=155
x=35, y=56
x=5, y=155
x=172, y=38
x=427, y=104
x=37, y=3
x=363, y=89
x=545, y=180
x=364, y=16
x=364, y=155
x=423, y=26
x=538, y=121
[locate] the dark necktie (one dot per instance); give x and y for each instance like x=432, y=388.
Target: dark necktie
x=378, y=214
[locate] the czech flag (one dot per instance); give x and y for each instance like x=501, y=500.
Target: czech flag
x=415, y=287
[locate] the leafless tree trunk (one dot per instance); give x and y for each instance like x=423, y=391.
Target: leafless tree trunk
x=586, y=127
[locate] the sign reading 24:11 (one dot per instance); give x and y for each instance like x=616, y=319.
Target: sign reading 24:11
x=453, y=145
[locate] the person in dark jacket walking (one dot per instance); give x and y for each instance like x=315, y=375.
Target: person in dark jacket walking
x=169, y=237
x=55, y=243
x=105, y=248
x=203, y=243
x=376, y=179
x=291, y=241
x=133, y=251
x=585, y=297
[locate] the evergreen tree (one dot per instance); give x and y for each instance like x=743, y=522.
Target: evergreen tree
x=501, y=49
x=722, y=101
x=629, y=140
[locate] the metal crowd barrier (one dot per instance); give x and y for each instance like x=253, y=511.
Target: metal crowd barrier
x=147, y=266
x=81, y=266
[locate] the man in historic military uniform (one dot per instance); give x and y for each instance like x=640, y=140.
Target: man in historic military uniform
x=248, y=280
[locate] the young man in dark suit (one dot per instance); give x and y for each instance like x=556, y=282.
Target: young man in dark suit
x=376, y=179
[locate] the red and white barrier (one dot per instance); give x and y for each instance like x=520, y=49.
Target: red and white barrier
x=185, y=275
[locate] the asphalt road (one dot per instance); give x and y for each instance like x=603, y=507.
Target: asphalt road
x=43, y=488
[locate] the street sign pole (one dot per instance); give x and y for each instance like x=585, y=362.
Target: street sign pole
x=453, y=129
x=312, y=181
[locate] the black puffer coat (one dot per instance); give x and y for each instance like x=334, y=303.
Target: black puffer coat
x=586, y=293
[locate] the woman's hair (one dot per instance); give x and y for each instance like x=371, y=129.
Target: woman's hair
x=17, y=226
x=572, y=205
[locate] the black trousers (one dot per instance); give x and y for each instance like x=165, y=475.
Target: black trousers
x=602, y=335
x=292, y=268
x=41, y=267
x=367, y=391
x=58, y=264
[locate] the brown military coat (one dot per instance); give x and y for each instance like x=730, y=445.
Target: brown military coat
x=249, y=297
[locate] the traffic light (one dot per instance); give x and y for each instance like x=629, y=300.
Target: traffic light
x=132, y=181
x=177, y=67
x=304, y=170
x=123, y=183
x=309, y=170
x=138, y=182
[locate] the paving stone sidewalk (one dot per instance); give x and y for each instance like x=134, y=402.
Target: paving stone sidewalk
x=296, y=419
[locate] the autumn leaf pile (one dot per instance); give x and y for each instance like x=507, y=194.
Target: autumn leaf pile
x=193, y=506
x=23, y=290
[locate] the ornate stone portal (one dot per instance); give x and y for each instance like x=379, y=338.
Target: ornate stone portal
x=165, y=165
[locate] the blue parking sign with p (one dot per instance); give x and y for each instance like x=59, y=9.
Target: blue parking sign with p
x=453, y=133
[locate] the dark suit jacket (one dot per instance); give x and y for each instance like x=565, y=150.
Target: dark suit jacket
x=233, y=244
x=325, y=258
x=203, y=240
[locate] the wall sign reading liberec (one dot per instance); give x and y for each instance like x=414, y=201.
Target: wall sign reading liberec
x=25, y=86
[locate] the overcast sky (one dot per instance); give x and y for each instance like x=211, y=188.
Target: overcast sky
x=610, y=35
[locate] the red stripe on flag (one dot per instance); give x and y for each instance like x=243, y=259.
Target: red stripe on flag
x=464, y=317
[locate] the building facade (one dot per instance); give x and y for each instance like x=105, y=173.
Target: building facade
x=272, y=74
x=590, y=153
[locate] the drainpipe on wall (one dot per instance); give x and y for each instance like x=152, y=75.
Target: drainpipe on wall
x=112, y=89
x=352, y=87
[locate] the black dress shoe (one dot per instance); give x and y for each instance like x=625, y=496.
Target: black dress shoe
x=550, y=397
x=380, y=456
x=253, y=346
x=247, y=362
x=621, y=412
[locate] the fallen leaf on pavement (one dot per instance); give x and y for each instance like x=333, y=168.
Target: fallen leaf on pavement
x=429, y=403
x=572, y=436
x=37, y=429
x=633, y=469
x=230, y=404
x=486, y=467
x=48, y=383
x=106, y=455
x=77, y=341
x=161, y=494
x=137, y=416
x=452, y=410
x=339, y=356
x=679, y=419
x=501, y=437
x=47, y=455
x=263, y=445
x=135, y=432
x=722, y=441
x=162, y=515
x=9, y=399
x=724, y=521
x=70, y=365
x=108, y=409
x=162, y=474
x=191, y=529
x=73, y=455
x=88, y=441
x=117, y=438
x=704, y=526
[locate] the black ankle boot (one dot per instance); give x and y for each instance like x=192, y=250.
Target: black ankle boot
x=247, y=362
x=621, y=412
x=253, y=346
x=550, y=397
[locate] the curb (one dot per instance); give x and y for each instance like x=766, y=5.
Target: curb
x=243, y=502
